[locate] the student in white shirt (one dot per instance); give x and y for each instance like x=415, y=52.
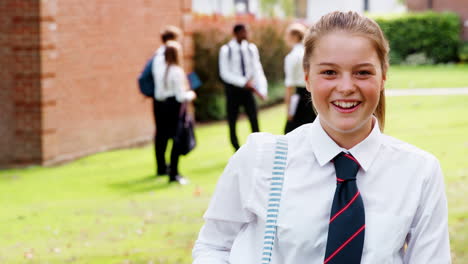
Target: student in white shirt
x=298, y=104
x=242, y=74
x=401, y=188
x=172, y=90
x=169, y=33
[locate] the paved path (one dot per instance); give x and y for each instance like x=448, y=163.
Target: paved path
x=426, y=91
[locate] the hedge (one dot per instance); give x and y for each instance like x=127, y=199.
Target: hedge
x=436, y=35
x=268, y=36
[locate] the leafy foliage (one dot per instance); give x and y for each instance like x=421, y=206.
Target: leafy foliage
x=437, y=35
x=269, y=7
x=463, y=53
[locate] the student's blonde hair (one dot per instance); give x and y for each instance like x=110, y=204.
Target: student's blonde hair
x=354, y=23
x=297, y=29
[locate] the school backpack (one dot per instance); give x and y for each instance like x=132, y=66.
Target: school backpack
x=146, y=81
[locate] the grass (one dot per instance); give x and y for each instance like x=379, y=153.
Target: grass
x=109, y=208
x=430, y=76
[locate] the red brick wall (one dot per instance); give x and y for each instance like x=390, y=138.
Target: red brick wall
x=71, y=89
x=6, y=82
x=98, y=50
x=20, y=95
x=458, y=6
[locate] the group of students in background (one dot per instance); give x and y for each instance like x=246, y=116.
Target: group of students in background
x=242, y=74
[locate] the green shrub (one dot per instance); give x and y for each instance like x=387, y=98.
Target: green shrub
x=268, y=36
x=210, y=103
x=463, y=53
x=437, y=35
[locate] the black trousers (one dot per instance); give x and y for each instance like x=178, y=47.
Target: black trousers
x=304, y=112
x=166, y=114
x=235, y=98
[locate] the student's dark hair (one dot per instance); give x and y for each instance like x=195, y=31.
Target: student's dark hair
x=353, y=23
x=170, y=33
x=238, y=28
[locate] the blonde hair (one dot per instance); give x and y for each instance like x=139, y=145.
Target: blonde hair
x=297, y=29
x=353, y=23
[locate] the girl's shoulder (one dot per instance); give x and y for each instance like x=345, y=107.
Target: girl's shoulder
x=257, y=152
x=405, y=150
x=257, y=144
x=175, y=71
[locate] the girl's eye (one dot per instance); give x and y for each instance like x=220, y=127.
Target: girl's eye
x=364, y=73
x=328, y=72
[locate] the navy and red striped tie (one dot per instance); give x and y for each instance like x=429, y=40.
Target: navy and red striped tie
x=347, y=219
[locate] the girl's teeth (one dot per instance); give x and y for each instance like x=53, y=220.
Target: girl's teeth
x=346, y=104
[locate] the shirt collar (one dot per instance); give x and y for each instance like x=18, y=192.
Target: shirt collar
x=237, y=44
x=298, y=46
x=325, y=149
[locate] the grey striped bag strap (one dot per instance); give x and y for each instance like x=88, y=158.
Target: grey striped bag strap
x=274, y=197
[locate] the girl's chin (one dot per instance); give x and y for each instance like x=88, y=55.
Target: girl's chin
x=347, y=126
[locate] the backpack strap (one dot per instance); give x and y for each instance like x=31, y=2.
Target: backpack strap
x=274, y=197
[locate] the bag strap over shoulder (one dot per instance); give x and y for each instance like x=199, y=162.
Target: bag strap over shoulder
x=274, y=197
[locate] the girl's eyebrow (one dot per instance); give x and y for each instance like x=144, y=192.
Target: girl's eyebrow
x=365, y=64
x=357, y=65
x=327, y=64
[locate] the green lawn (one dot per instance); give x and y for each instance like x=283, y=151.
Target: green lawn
x=430, y=76
x=109, y=208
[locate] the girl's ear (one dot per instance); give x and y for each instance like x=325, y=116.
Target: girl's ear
x=307, y=82
x=384, y=78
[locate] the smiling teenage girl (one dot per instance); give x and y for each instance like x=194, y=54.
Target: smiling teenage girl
x=350, y=194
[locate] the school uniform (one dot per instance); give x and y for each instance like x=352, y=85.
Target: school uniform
x=300, y=107
x=168, y=96
x=401, y=186
x=239, y=63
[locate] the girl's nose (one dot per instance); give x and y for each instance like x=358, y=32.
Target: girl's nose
x=346, y=85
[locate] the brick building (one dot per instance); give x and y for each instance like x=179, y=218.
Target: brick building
x=68, y=74
x=458, y=6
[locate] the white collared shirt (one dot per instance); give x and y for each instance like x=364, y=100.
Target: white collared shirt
x=158, y=63
x=293, y=70
x=401, y=186
x=230, y=65
x=174, y=84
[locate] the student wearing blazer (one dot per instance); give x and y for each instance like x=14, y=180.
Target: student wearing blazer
x=350, y=194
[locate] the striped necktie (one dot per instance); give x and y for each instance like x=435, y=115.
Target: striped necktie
x=347, y=219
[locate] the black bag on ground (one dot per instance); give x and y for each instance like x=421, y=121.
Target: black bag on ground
x=185, y=135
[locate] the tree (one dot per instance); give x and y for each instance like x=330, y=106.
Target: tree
x=276, y=7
